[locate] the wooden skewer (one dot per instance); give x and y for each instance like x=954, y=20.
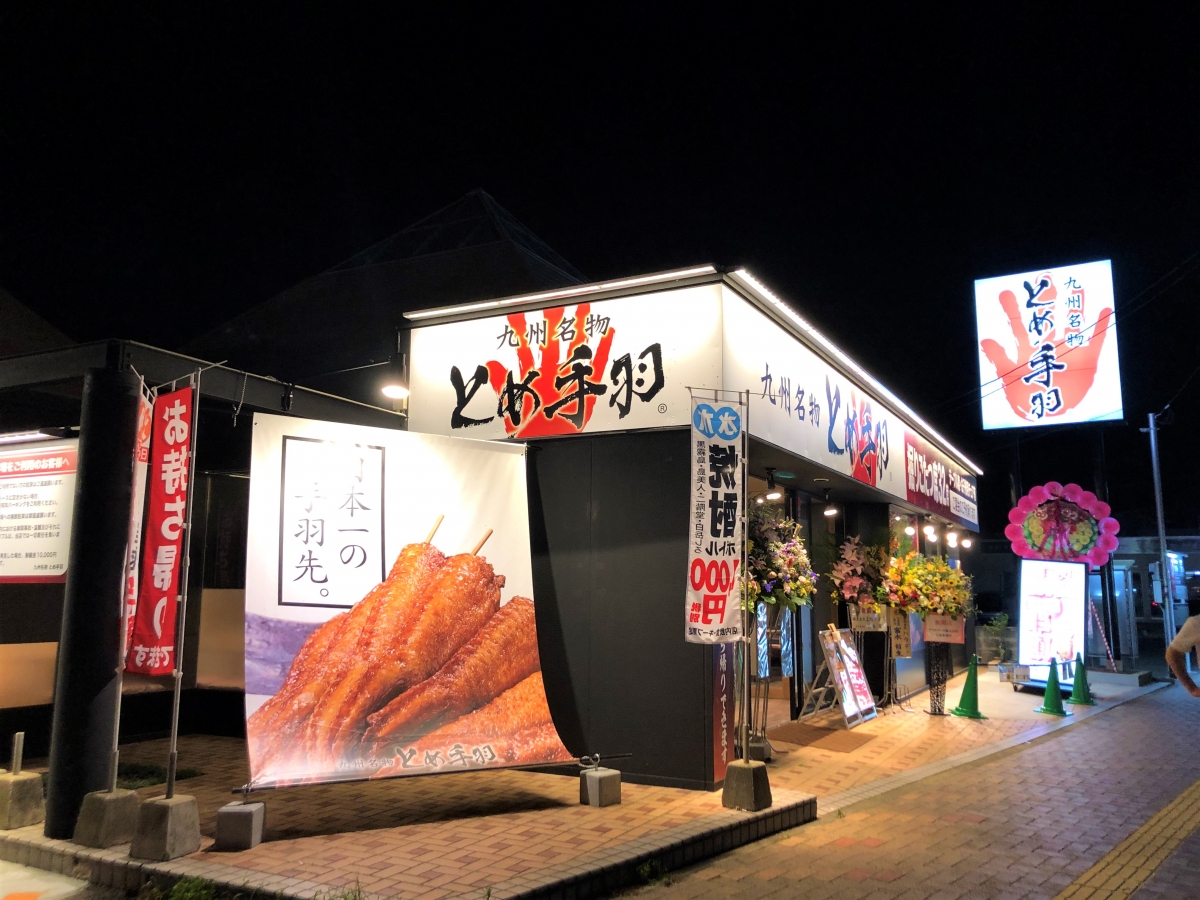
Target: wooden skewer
x=433, y=530
x=482, y=541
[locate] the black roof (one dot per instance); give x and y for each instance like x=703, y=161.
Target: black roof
x=348, y=315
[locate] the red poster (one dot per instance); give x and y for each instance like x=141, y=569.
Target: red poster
x=724, y=738
x=152, y=647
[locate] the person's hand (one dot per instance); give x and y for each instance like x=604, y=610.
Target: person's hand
x=1073, y=383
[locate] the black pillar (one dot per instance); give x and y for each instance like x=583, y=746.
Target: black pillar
x=85, y=690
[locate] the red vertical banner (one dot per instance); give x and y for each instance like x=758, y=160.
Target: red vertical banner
x=152, y=646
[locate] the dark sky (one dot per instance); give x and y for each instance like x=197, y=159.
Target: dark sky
x=163, y=171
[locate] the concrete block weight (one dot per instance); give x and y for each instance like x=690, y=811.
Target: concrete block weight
x=166, y=829
x=747, y=786
x=240, y=825
x=107, y=819
x=21, y=800
x=600, y=787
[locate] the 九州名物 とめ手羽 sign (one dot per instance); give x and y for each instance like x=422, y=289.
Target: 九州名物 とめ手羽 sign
x=1047, y=347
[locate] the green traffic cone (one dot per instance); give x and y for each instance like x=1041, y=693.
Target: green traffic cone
x=1052, y=704
x=968, y=703
x=1081, y=693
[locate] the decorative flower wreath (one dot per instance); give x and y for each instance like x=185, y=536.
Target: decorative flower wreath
x=1064, y=523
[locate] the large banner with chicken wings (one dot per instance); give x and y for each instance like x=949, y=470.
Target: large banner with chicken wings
x=389, y=606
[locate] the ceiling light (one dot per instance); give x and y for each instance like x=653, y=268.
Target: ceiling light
x=967, y=542
x=774, y=495
x=929, y=530
x=951, y=536
x=910, y=531
x=830, y=509
x=395, y=391
x=932, y=538
x=896, y=518
x=759, y=501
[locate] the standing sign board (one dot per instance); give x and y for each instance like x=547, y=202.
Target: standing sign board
x=383, y=636
x=37, y=494
x=1053, y=608
x=716, y=545
x=152, y=644
x=858, y=703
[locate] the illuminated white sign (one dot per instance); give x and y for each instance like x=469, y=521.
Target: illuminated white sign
x=1047, y=343
x=1053, y=595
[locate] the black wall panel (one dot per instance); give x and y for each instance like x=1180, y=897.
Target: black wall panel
x=609, y=523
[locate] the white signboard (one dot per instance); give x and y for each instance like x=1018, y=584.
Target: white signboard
x=37, y=496
x=1048, y=347
x=715, y=520
x=602, y=366
x=1053, y=598
x=801, y=403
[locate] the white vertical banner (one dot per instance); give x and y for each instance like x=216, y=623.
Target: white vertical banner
x=715, y=519
x=133, y=552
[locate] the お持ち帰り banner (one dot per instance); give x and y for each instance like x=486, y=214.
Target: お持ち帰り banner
x=390, y=622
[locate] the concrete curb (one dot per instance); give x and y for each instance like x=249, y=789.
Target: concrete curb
x=592, y=874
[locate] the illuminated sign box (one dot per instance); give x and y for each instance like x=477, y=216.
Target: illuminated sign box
x=1047, y=343
x=1053, y=598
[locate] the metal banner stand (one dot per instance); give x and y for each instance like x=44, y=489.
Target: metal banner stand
x=123, y=645
x=181, y=618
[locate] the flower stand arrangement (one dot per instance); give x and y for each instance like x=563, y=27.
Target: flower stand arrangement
x=929, y=586
x=779, y=579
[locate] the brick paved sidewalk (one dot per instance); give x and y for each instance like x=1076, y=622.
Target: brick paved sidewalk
x=434, y=837
x=1025, y=823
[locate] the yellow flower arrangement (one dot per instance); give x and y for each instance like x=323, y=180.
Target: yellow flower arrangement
x=924, y=585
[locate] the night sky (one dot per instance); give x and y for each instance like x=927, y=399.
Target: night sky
x=163, y=171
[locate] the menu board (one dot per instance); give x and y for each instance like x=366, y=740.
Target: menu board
x=858, y=704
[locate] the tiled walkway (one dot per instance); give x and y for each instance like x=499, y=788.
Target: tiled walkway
x=1028, y=823
x=434, y=837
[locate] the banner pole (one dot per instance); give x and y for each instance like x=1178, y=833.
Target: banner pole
x=181, y=619
x=744, y=599
x=123, y=646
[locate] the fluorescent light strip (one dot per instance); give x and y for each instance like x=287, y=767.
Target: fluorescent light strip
x=594, y=288
x=24, y=437
x=851, y=364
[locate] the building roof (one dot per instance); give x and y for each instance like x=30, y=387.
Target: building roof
x=348, y=315
x=24, y=331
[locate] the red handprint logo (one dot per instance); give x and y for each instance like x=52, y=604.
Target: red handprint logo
x=1049, y=377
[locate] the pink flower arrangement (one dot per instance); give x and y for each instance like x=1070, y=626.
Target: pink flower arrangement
x=1054, y=521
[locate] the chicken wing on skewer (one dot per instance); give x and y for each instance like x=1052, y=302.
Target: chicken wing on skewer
x=411, y=637
x=407, y=582
x=520, y=707
x=499, y=656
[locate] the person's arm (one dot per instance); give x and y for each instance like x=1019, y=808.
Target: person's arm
x=1177, y=660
